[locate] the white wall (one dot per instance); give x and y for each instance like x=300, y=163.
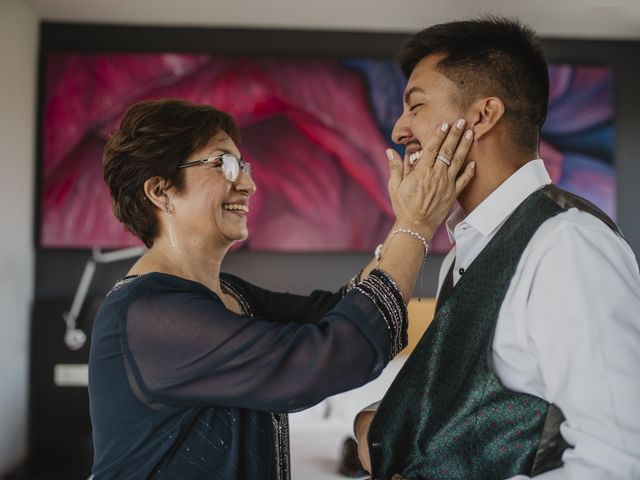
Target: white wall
x=551, y=18
x=18, y=63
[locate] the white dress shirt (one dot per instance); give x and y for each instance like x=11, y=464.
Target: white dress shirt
x=568, y=330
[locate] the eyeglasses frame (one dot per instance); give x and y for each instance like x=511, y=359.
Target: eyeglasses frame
x=244, y=166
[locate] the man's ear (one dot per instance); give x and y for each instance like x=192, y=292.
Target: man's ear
x=485, y=114
x=155, y=190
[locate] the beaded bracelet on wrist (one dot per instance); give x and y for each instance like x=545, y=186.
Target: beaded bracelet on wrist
x=396, y=290
x=380, y=288
x=413, y=233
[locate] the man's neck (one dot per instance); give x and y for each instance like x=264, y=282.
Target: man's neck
x=490, y=174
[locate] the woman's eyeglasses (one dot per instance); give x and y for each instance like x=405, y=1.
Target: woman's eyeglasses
x=231, y=165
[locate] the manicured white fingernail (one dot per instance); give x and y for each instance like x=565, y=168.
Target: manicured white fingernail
x=473, y=165
x=445, y=127
x=460, y=124
x=469, y=134
x=389, y=153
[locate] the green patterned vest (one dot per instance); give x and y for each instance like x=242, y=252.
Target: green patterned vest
x=446, y=416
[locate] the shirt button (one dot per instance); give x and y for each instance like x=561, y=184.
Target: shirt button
x=461, y=271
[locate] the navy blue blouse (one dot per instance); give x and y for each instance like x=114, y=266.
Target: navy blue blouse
x=180, y=387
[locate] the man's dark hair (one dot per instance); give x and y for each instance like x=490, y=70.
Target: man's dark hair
x=154, y=137
x=490, y=56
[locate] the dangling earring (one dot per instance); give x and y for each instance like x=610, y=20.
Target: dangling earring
x=172, y=234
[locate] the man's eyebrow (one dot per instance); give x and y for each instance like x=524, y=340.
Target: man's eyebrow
x=411, y=91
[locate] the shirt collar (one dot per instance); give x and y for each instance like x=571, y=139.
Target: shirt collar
x=497, y=207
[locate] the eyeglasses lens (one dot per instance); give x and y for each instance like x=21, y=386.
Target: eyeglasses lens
x=230, y=167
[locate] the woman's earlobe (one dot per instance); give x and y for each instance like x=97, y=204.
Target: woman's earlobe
x=154, y=189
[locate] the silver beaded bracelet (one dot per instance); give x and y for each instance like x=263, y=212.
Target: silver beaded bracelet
x=413, y=234
x=377, y=253
x=408, y=231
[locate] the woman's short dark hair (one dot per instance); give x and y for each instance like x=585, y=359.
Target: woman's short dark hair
x=154, y=137
x=490, y=56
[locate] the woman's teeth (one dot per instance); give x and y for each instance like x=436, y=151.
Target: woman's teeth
x=413, y=158
x=236, y=207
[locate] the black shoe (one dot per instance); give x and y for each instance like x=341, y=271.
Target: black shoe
x=350, y=465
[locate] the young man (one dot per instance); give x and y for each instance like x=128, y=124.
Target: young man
x=529, y=368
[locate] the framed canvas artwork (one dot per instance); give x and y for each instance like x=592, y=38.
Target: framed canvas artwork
x=314, y=129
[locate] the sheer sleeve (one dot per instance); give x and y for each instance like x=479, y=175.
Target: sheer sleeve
x=183, y=347
x=287, y=307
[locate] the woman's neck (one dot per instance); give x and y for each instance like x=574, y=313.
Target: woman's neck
x=193, y=262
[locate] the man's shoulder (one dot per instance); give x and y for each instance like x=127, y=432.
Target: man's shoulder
x=574, y=228
x=576, y=221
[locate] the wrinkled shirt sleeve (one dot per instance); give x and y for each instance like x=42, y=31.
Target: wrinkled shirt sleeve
x=583, y=327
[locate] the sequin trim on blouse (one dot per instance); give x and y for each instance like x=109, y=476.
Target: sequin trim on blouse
x=384, y=293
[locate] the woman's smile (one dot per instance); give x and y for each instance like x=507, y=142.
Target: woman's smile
x=237, y=208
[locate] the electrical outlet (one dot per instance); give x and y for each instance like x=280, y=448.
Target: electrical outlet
x=71, y=375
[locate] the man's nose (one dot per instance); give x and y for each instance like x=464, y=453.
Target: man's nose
x=401, y=132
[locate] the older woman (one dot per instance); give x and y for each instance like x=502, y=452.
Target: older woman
x=192, y=372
